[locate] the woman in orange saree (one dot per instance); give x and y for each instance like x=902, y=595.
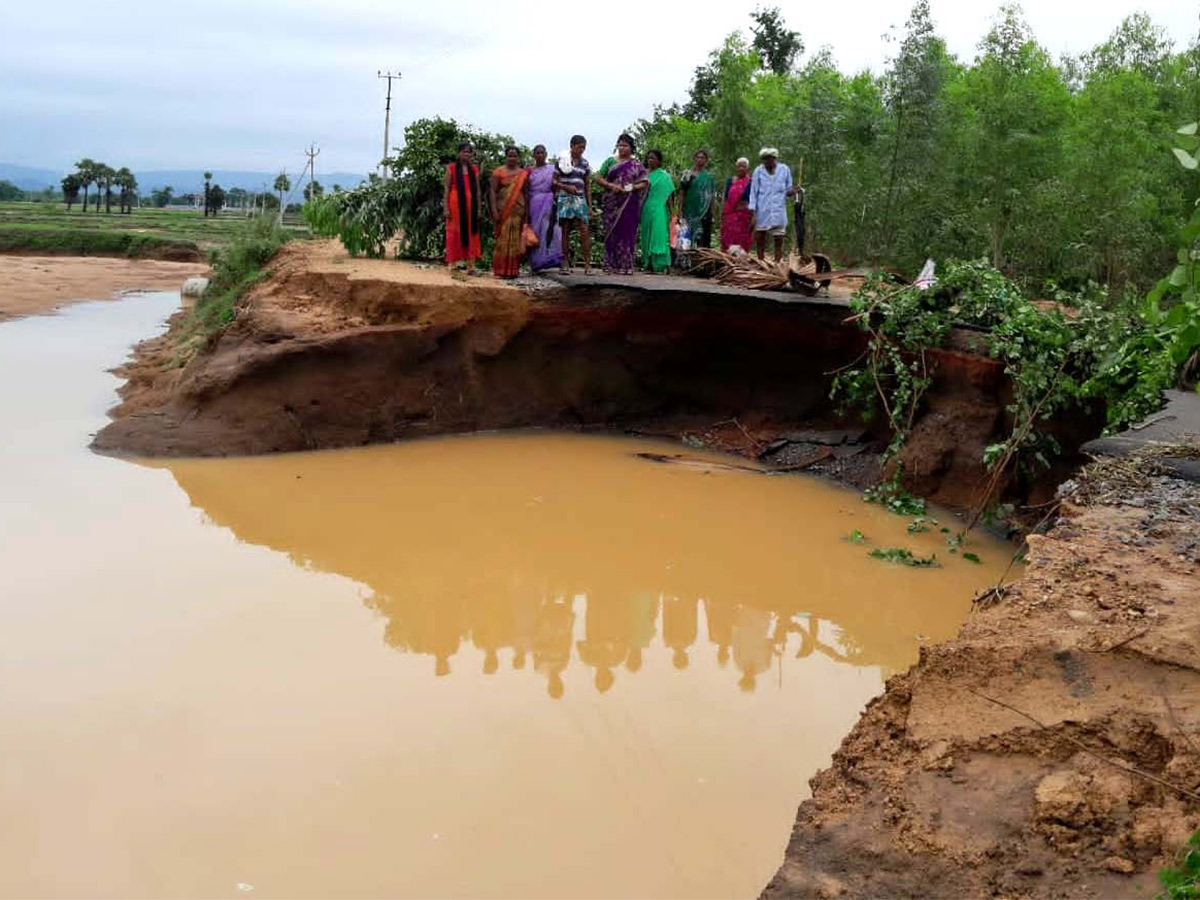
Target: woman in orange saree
x=460, y=204
x=509, y=196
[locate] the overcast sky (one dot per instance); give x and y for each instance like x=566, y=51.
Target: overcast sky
x=246, y=84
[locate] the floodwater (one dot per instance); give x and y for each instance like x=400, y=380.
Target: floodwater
x=496, y=666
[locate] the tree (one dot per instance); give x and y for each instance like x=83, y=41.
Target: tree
x=216, y=198
x=1137, y=43
x=913, y=89
x=207, y=188
x=161, y=197
x=86, y=172
x=237, y=198
x=731, y=114
x=312, y=190
x=9, y=191
x=70, y=190
x=283, y=184
x=125, y=180
x=777, y=46
x=104, y=175
x=1019, y=101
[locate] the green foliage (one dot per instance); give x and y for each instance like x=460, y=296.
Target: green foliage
x=901, y=556
x=856, y=537
x=894, y=498
x=1182, y=880
x=9, y=191
x=777, y=46
x=235, y=269
x=1052, y=171
x=364, y=218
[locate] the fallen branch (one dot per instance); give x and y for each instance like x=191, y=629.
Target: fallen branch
x=1132, y=770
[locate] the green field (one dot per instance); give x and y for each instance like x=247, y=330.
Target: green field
x=172, y=232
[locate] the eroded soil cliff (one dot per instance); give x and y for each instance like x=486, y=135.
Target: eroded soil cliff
x=329, y=351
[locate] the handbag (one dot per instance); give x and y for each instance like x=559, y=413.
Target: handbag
x=529, y=237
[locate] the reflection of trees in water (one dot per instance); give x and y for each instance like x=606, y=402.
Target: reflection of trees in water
x=616, y=631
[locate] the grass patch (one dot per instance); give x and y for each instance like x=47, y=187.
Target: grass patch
x=1182, y=881
x=49, y=240
x=235, y=269
x=175, y=223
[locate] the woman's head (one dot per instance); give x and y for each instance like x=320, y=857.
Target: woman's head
x=578, y=144
x=700, y=158
x=743, y=167
x=539, y=154
x=626, y=145
x=465, y=151
x=654, y=159
x=512, y=156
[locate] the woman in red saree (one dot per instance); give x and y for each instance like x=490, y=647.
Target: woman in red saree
x=460, y=204
x=736, y=214
x=508, y=195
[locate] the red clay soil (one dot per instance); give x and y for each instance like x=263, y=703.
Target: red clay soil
x=948, y=788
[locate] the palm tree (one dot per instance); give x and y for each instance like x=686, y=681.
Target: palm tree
x=104, y=177
x=70, y=190
x=282, y=185
x=86, y=173
x=124, y=179
x=207, y=191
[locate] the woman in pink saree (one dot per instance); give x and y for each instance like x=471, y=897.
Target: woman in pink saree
x=736, y=214
x=548, y=253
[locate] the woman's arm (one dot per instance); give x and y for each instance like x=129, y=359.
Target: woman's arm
x=493, y=199
x=525, y=191
x=446, y=195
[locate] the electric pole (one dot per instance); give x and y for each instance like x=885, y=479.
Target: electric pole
x=312, y=153
x=387, y=115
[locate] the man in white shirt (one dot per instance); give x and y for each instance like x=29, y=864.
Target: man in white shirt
x=770, y=186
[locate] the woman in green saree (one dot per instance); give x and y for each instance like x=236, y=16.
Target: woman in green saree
x=656, y=215
x=698, y=188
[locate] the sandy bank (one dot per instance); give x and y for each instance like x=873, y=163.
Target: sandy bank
x=31, y=285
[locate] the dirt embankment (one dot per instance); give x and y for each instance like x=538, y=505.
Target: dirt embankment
x=948, y=788
x=30, y=285
x=330, y=351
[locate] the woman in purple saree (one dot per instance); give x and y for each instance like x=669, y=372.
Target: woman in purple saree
x=624, y=181
x=548, y=253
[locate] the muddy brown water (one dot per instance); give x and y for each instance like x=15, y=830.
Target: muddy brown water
x=524, y=665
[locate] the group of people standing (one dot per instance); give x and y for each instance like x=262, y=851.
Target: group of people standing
x=536, y=208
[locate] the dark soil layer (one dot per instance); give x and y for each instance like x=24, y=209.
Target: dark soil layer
x=328, y=355
x=944, y=790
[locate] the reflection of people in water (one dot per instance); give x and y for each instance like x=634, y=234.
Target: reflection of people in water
x=753, y=649
x=643, y=610
x=552, y=630
x=808, y=636
x=680, y=624
x=605, y=644
x=719, y=615
x=433, y=628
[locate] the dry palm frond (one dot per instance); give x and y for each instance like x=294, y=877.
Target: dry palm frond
x=747, y=271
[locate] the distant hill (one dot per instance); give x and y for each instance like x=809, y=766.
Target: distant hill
x=184, y=181
x=27, y=178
